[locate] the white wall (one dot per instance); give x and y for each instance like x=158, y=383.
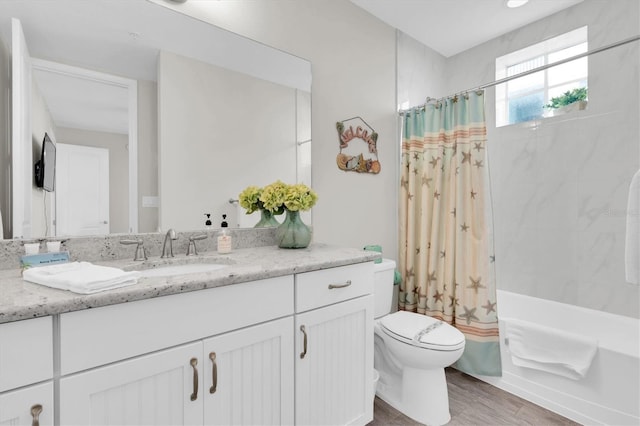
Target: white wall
x=421, y=72
x=353, y=65
x=217, y=138
x=304, y=143
x=5, y=141
x=118, y=169
x=42, y=202
x=147, y=153
x=560, y=184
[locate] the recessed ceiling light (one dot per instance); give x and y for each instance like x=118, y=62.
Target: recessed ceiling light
x=516, y=3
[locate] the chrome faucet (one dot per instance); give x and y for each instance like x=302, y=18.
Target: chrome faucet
x=141, y=253
x=192, y=249
x=170, y=236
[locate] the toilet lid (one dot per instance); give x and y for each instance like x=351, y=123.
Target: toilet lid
x=422, y=331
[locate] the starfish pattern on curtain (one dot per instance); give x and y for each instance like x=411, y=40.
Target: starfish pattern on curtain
x=444, y=235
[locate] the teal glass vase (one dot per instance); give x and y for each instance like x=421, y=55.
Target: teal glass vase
x=267, y=220
x=293, y=233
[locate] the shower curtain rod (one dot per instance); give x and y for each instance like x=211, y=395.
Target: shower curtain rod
x=534, y=70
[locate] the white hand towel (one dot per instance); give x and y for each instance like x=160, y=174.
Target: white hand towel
x=548, y=349
x=80, y=277
x=632, y=244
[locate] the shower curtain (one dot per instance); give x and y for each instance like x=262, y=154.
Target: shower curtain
x=444, y=232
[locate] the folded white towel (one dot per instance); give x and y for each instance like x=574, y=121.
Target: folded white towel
x=80, y=277
x=548, y=349
x=632, y=244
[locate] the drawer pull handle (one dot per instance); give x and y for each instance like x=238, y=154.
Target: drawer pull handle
x=194, y=395
x=304, y=342
x=346, y=284
x=35, y=414
x=214, y=373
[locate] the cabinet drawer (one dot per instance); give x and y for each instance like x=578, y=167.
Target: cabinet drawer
x=26, y=352
x=99, y=336
x=327, y=286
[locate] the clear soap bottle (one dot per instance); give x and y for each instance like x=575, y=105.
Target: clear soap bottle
x=224, y=239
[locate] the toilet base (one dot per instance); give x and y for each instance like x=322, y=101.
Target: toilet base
x=425, y=395
x=422, y=395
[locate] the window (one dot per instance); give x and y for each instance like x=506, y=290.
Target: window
x=523, y=99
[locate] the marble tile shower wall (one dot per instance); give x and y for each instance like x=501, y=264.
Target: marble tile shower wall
x=560, y=184
x=560, y=203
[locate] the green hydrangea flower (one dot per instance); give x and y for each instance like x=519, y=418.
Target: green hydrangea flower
x=277, y=197
x=250, y=199
x=300, y=197
x=273, y=197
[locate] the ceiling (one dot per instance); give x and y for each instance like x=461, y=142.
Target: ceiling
x=453, y=26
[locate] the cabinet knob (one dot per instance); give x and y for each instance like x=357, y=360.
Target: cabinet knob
x=194, y=363
x=35, y=414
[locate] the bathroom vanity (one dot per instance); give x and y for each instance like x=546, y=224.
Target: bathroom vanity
x=276, y=337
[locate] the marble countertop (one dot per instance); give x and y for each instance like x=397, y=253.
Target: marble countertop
x=21, y=300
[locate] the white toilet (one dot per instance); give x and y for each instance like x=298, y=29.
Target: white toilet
x=411, y=351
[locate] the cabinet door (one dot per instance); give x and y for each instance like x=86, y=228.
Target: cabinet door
x=334, y=364
x=28, y=405
x=161, y=388
x=26, y=352
x=249, y=376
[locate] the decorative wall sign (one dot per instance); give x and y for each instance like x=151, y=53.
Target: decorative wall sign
x=352, y=156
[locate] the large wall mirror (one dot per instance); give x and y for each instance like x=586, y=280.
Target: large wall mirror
x=186, y=115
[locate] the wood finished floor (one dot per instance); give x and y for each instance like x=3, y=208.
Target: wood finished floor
x=474, y=402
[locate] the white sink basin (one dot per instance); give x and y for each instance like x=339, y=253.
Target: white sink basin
x=191, y=268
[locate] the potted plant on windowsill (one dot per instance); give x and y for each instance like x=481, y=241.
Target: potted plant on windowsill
x=569, y=101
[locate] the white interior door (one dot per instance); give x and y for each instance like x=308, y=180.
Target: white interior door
x=21, y=164
x=82, y=190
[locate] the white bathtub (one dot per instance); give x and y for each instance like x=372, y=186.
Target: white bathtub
x=610, y=392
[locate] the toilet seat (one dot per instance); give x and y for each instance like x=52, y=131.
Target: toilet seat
x=422, y=331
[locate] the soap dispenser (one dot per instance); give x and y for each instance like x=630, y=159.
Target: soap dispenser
x=224, y=239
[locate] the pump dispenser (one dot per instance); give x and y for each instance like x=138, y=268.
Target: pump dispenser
x=224, y=239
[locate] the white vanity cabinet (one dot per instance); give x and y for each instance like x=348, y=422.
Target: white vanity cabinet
x=334, y=346
x=26, y=372
x=248, y=376
x=146, y=383
x=295, y=349
x=152, y=389
x=32, y=405
x=241, y=377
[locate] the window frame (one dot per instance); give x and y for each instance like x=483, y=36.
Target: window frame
x=539, y=54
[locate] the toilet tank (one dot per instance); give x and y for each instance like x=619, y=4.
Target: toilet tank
x=383, y=287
